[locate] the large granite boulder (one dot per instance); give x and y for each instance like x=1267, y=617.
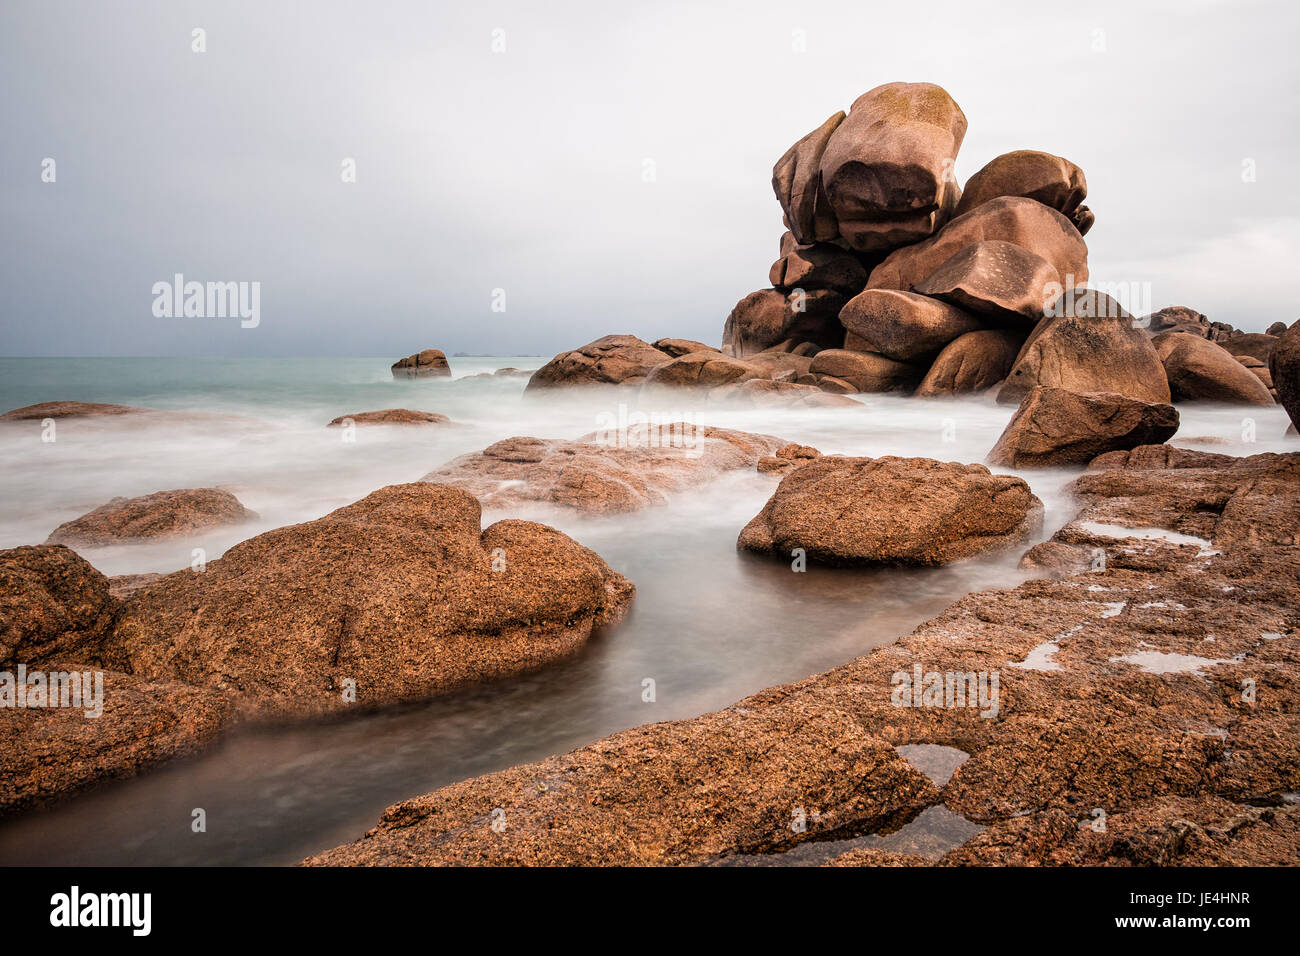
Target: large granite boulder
x=56, y=410
x=52, y=603
x=705, y=369
x=610, y=360
x=1257, y=345
x=1052, y=180
x=887, y=167
x=1088, y=343
x=998, y=280
x=399, y=596
x=903, y=325
x=426, y=364
x=892, y=511
x=768, y=317
x=1176, y=318
x=163, y=514
x=797, y=182
x=1054, y=428
x=1203, y=371
x=1015, y=219
x=1284, y=366
x=866, y=371
x=820, y=265
x=971, y=363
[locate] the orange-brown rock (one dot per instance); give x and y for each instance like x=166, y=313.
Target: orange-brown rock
x=797, y=182
x=787, y=457
x=1052, y=180
x=887, y=168
x=903, y=326
x=1055, y=428
x=866, y=371
x=391, y=416
x=705, y=369
x=611, y=360
x=1015, y=219
x=52, y=603
x=819, y=265
x=678, y=347
x=1203, y=371
x=1088, y=344
x=892, y=511
x=163, y=514
x=430, y=362
x=971, y=363
x=996, y=279
x=770, y=393
x=768, y=317
x=1255, y=344
x=609, y=471
x=297, y=621
x=56, y=410
x=1284, y=367
x=1176, y=318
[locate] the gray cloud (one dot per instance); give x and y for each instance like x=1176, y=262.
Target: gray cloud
x=523, y=170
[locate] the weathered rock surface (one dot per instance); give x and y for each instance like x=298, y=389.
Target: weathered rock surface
x=1255, y=344
x=1023, y=222
x=1054, y=428
x=1203, y=371
x=819, y=265
x=292, y=621
x=769, y=393
x=1088, y=344
x=705, y=369
x=797, y=182
x=1175, y=318
x=391, y=416
x=611, y=360
x=892, y=511
x=163, y=514
x=887, y=167
x=903, y=326
x=1120, y=689
x=971, y=363
x=866, y=371
x=1052, y=180
x=52, y=603
x=604, y=472
x=996, y=279
x=1284, y=366
x=768, y=317
x=57, y=410
x=430, y=362
x=675, y=348
x=786, y=458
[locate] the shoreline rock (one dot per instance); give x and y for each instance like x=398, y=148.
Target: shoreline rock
x=431, y=363
x=163, y=514
x=391, y=416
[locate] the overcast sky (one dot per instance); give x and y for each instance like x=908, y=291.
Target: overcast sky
x=524, y=170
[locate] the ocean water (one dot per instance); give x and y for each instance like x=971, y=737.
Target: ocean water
x=709, y=625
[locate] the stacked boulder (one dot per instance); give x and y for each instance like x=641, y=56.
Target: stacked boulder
x=891, y=275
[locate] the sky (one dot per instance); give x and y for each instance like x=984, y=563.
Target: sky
x=531, y=176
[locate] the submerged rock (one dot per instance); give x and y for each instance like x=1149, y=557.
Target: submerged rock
x=56, y=410
x=393, y=416
x=399, y=596
x=1054, y=427
x=429, y=363
x=892, y=511
x=163, y=514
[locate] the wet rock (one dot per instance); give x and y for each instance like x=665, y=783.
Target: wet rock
x=57, y=410
x=1051, y=180
x=392, y=416
x=296, y=621
x=892, y=511
x=971, y=363
x=820, y=265
x=1088, y=344
x=998, y=280
x=786, y=458
x=426, y=364
x=52, y=603
x=887, y=167
x=797, y=182
x=611, y=471
x=903, y=326
x=1202, y=371
x=1023, y=222
x=1284, y=367
x=163, y=514
x=1054, y=428
x=611, y=360
x=866, y=371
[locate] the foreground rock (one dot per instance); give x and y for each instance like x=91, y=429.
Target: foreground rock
x=296, y=621
x=611, y=360
x=971, y=363
x=426, y=364
x=892, y=511
x=163, y=514
x=767, y=393
x=57, y=410
x=1111, y=696
x=1088, y=344
x=52, y=604
x=1284, y=366
x=605, y=472
x=1202, y=371
x=390, y=416
x=1056, y=428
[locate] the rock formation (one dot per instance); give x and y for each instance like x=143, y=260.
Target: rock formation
x=426, y=364
x=163, y=514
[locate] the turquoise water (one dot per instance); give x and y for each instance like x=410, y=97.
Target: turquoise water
x=709, y=625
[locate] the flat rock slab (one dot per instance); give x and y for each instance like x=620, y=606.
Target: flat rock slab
x=161, y=515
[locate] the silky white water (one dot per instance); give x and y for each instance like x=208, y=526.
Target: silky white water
x=708, y=626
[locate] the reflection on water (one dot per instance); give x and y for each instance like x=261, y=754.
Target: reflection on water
x=709, y=625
